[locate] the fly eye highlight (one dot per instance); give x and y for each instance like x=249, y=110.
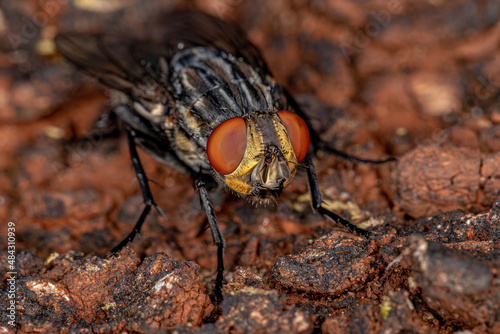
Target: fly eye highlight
x=227, y=144
x=297, y=132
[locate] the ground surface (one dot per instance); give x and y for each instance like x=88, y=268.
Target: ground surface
x=418, y=80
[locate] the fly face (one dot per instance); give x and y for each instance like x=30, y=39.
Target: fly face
x=257, y=155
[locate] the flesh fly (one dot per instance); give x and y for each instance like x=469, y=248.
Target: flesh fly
x=201, y=100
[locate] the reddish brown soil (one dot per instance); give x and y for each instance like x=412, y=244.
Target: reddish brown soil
x=418, y=80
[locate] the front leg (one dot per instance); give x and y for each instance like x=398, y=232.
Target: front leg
x=217, y=235
x=146, y=194
x=316, y=199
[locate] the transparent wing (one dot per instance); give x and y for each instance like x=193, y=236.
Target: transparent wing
x=103, y=57
x=122, y=63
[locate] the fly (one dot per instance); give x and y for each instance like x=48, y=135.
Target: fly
x=203, y=101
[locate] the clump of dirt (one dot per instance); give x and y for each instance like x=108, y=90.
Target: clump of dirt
x=437, y=178
x=111, y=295
x=332, y=264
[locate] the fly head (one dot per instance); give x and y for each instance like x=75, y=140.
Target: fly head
x=257, y=155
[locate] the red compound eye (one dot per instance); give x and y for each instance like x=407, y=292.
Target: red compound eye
x=297, y=132
x=226, y=145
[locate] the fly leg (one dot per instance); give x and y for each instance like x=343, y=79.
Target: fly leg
x=318, y=144
x=217, y=235
x=316, y=200
x=146, y=194
x=322, y=146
